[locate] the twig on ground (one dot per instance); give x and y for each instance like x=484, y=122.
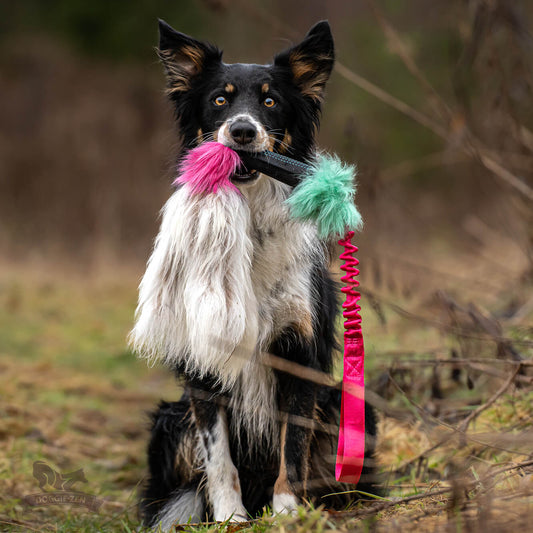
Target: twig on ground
x=440, y=325
x=469, y=485
x=409, y=363
x=28, y=526
x=463, y=426
x=526, y=380
x=460, y=430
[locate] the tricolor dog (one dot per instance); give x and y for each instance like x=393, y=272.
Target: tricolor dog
x=237, y=300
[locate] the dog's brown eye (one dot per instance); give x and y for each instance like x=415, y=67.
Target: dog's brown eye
x=269, y=102
x=220, y=100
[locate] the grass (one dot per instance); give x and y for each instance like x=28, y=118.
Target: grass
x=74, y=397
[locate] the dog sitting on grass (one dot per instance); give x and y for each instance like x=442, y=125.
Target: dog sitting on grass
x=238, y=302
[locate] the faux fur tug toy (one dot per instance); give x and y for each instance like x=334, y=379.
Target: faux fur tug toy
x=323, y=194
x=208, y=168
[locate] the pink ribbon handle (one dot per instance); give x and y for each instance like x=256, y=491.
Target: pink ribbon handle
x=351, y=447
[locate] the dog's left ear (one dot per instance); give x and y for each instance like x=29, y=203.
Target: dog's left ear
x=311, y=61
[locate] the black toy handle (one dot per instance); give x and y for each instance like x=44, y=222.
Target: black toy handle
x=277, y=166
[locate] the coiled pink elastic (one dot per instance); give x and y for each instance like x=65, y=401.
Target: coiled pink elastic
x=351, y=447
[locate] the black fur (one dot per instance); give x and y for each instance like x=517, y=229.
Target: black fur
x=295, y=82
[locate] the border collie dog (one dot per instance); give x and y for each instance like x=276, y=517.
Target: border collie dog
x=238, y=301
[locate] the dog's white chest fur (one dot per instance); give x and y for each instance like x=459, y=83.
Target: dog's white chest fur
x=284, y=252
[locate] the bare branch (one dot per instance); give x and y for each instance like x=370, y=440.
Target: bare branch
x=463, y=426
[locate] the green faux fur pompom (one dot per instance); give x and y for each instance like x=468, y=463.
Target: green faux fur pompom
x=326, y=196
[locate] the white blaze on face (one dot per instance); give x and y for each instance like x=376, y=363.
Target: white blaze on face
x=196, y=301
x=260, y=143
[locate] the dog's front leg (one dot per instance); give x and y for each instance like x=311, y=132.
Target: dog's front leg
x=297, y=405
x=223, y=485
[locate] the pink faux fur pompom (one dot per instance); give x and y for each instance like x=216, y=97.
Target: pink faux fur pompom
x=208, y=167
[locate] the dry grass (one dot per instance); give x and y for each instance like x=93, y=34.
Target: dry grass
x=74, y=397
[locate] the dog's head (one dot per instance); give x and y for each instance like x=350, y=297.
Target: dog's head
x=245, y=106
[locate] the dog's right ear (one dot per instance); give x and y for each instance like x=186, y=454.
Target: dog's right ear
x=183, y=57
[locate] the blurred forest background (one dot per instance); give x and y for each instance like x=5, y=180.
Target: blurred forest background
x=432, y=100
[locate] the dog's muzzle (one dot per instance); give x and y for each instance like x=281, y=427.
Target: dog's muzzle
x=244, y=133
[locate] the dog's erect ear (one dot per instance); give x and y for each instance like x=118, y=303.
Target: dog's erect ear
x=183, y=57
x=311, y=61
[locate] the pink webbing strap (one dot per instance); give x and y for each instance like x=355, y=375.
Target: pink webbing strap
x=351, y=448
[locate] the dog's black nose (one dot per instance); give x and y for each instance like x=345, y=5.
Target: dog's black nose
x=243, y=132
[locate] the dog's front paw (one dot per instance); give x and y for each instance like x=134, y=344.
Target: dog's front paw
x=231, y=513
x=232, y=517
x=284, y=503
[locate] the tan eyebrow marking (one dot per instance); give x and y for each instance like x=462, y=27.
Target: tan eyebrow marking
x=199, y=135
x=265, y=88
x=229, y=88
